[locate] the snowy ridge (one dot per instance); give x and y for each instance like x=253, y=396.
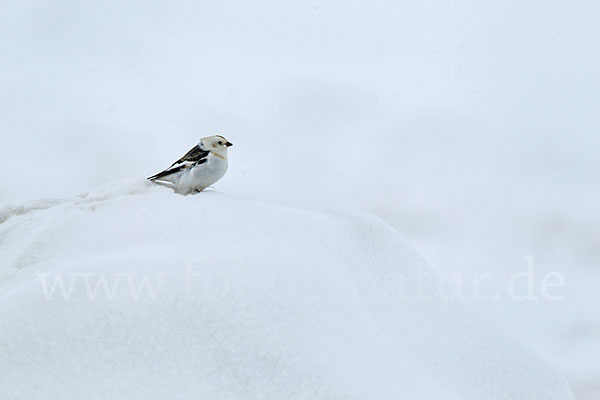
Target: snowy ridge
x=211, y=296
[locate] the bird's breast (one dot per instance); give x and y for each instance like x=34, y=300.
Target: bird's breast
x=210, y=172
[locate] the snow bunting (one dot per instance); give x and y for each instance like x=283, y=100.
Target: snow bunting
x=199, y=168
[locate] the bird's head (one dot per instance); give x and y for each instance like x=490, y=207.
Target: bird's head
x=216, y=143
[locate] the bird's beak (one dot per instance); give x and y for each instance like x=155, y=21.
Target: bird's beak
x=228, y=144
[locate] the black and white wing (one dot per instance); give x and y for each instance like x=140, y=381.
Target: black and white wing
x=195, y=156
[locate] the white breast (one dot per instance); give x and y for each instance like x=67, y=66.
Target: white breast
x=203, y=175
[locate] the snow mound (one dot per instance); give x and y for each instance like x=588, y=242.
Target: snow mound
x=136, y=292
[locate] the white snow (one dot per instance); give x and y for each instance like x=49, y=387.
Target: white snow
x=218, y=297
x=471, y=128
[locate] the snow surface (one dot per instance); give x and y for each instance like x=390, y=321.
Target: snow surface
x=214, y=296
x=470, y=127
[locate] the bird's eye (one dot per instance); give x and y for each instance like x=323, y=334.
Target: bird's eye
x=220, y=143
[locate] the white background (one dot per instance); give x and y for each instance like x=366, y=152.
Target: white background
x=470, y=127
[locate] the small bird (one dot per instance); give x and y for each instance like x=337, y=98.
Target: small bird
x=199, y=168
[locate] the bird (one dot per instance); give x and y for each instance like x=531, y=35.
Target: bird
x=199, y=168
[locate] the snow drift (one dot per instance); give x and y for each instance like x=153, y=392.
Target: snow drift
x=136, y=292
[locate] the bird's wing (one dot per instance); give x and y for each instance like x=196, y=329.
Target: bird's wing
x=195, y=156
